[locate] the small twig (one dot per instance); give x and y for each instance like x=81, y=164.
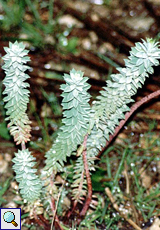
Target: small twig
x=127, y=116
x=54, y=210
x=109, y=194
x=53, y=207
x=129, y=193
x=88, y=177
x=127, y=177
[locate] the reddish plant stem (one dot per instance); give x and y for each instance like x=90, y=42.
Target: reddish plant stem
x=128, y=115
x=88, y=177
x=40, y=221
x=23, y=146
x=44, y=220
x=118, y=128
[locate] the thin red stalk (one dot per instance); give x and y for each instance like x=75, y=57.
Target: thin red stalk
x=44, y=220
x=88, y=177
x=128, y=115
x=39, y=221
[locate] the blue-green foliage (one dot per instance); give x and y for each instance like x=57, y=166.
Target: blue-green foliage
x=76, y=116
x=17, y=95
x=110, y=107
x=29, y=184
x=19, y=124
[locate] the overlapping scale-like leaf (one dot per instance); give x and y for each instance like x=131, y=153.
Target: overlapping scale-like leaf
x=111, y=105
x=29, y=183
x=17, y=96
x=76, y=116
x=16, y=99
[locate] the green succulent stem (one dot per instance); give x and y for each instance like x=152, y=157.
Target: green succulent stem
x=17, y=95
x=85, y=128
x=127, y=116
x=111, y=106
x=29, y=182
x=76, y=117
x=16, y=99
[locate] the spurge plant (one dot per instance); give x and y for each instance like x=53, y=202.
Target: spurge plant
x=86, y=130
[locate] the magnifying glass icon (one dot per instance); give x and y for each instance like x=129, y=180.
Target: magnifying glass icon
x=9, y=217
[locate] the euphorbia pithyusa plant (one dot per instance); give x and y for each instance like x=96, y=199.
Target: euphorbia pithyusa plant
x=17, y=98
x=86, y=129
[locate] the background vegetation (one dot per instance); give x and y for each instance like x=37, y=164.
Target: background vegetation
x=93, y=38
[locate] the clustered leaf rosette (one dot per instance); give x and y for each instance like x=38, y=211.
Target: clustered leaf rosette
x=29, y=184
x=76, y=117
x=17, y=96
